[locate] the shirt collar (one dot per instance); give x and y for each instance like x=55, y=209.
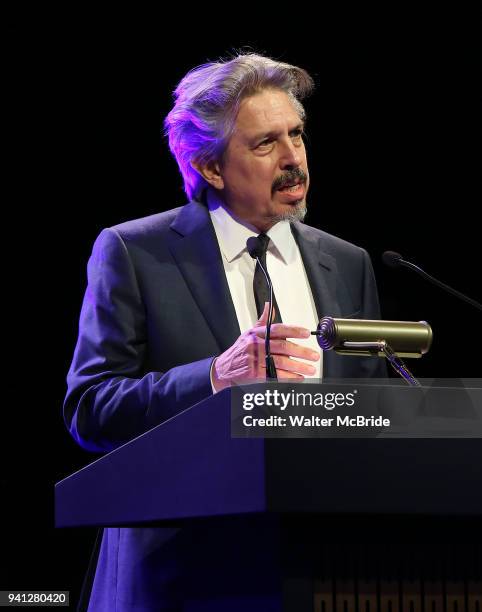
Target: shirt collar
x=232, y=233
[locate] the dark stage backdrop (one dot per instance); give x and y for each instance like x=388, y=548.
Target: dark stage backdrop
x=393, y=144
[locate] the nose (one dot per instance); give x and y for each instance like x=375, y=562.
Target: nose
x=290, y=156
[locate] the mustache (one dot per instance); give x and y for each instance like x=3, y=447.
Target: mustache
x=288, y=177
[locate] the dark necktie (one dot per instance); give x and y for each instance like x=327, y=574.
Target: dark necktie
x=260, y=285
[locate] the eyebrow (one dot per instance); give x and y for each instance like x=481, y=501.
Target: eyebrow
x=263, y=135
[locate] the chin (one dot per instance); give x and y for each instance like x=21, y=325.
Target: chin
x=295, y=212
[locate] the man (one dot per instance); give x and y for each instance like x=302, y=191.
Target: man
x=170, y=315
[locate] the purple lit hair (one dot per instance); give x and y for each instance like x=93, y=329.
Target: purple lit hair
x=207, y=102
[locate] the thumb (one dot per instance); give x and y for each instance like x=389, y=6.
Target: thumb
x=263, y=319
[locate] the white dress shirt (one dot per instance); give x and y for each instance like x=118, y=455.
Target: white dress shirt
x=285, y=267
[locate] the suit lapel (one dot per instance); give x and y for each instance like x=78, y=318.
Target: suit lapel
x=196, y=251
x=322, y=274
x=320, y=269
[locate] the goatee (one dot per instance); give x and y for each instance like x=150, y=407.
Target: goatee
x=296, y=213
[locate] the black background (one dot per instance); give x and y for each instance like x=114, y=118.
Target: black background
x=394, y=153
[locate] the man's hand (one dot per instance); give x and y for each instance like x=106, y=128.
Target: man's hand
x=245, y=360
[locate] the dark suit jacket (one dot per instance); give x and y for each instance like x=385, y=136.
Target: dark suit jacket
x=156, y=312
x=158, y=309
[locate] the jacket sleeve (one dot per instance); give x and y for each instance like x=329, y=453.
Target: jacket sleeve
x=110, y=397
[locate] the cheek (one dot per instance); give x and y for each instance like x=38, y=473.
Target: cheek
x=264, y=171
x=256, y=176
x=248, y=175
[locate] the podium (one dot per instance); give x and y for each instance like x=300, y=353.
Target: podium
x=361, y=524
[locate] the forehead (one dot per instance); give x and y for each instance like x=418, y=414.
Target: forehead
x=269, y=110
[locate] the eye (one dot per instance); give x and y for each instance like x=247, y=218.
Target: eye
x=297, y=134
x=264, y=143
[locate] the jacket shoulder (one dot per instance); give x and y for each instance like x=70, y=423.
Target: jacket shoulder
x=146, y=227
x=332, y=245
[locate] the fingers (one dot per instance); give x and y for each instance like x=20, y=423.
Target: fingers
x=291, y=375
x=245, y=359
x=283, y=351
x=280, y=330
x=285, y=362
x=285, y=347
x=293, y=365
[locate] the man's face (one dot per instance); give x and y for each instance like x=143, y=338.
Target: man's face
x=264, y=170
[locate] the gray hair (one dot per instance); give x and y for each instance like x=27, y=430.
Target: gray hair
x=207, y=102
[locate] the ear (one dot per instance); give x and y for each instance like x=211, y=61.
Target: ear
x=211, y=173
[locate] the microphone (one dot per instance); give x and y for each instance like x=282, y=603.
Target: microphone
x=395, y=260
x=255, y=249
x=363, y=337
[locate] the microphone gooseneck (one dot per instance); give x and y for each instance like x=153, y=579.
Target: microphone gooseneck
x=255, y=249
x=395, y=260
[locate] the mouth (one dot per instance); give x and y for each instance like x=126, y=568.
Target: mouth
x=292, y=191
x=290, y=188
x=290, y=185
